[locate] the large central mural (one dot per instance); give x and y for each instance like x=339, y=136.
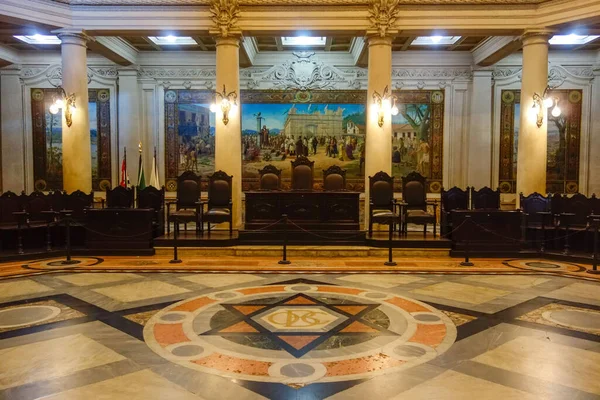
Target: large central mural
x=327, y=126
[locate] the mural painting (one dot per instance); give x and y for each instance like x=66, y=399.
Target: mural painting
x=190, y=134
x=564, y=133
x=329, y=127
x=47, y=139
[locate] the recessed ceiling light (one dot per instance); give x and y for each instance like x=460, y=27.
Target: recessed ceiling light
x=173, y=40
x=571, y=39
x=303, y=41
x=435, y=40
x=39, y=39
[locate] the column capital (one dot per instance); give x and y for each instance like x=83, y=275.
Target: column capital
x=536, y=36
x=132, y=70
x=73, y=36
x=228, y=40
x=376, y=40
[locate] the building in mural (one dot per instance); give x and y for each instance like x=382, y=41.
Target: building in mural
x=325, y=123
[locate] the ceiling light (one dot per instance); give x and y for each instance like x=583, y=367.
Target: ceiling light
x=435, y=40
x=303, y=41
x=173, y=40
x=39, y=39
x=571, y=39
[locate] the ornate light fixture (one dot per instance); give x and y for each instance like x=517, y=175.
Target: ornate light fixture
x=543, y=103
x=64, y=101
x=383, y=104
x=227, y=101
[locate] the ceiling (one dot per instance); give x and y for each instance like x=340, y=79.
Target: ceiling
x=293, y=2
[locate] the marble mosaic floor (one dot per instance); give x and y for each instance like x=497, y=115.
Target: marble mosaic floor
x=148, y=335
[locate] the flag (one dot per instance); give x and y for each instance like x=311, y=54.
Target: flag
x=124, y=178
x=154, y=174
x=141, y=181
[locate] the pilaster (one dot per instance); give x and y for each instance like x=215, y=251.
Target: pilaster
x=478, y=154
x=12, y=130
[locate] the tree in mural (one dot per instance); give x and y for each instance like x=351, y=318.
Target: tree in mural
x=419, y=117
x=53, y=153
x=556, y=159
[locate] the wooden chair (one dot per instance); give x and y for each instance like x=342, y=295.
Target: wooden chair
x=302, y=173
x=152, y=198
x=270, y=178
x=119, y=197
x=537, y=217
x=187, y=204
x=39, y=214
x=78, y=202
x=12, y=219
x=574, y=218
x=453, y=199
x=485, y=199
x=219, y=205
x=334, y=179
x=414, y=203
x=381, y=201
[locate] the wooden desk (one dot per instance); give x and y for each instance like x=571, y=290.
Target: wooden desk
x=488, y=231
x=119, y=228
x=312, y=210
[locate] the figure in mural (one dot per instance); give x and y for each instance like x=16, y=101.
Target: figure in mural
x=264, y=136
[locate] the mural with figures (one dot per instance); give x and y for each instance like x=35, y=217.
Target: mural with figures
x=190, y=134
x=47, y=139
x=329, y=128
x=564, y=133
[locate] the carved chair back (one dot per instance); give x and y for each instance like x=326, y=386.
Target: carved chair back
x=9, y=204
x=455, y=199
x=485, y=198
x=151, y=197
x=381, y=191
x=533, y=204
x=78, y=202
x=188, y=190
x=302, y=173
x=414, y=192
x=334, y=178
x=270, y=178
x=219, y=189
x=119, y=197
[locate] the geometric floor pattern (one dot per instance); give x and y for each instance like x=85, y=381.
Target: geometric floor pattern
x=139, y=335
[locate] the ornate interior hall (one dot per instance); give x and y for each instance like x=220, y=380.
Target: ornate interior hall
x=299, y=199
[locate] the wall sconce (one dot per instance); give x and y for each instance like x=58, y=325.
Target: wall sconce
x=383, y=104
x=542, y=103
x=227, y=101
x=64, y=101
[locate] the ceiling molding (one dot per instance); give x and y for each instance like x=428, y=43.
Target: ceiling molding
x=358, y=50
x=250, y=48
x=8, y=56
x=115, y=49
x=494, y=49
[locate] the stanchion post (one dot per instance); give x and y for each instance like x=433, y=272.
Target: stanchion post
x=175, y=259
x=66, y=217
x=284, y=261
x=467, y=263
x=390, y=262
x=594, y=270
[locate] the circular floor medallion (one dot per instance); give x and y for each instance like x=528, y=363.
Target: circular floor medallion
x=58, y=263
x=544, y=265
x=299, y=334
x=26, y=315
x=574, y=319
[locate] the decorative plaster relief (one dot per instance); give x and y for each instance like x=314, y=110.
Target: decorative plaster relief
x=53, y=73
x=383, y=15
x=432, y=73
x=177, y=73
x=289, y=2
x=225, y=15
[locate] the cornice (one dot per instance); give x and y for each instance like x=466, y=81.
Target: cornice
x=291, y=2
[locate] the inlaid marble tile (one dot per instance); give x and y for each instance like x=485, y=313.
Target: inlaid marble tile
x=384, y=281
x=52, y=359
x=459, y=319
x=89, y=278
x=221, y=280
x=513, y=281
x=452, y=385
x=141, y=385
x=144, y=290
x=563, y=316
x=33, y=314
x=578, y=292
x=22, y=287
x=142, y=317
x=461, y=292
x=540, y=358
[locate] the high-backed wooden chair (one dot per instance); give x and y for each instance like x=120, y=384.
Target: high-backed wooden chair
x=414, y=201
x=453, y=199
x=574, y=217
x=78, y=202
x=119, y=197
x=153, y=198
x=219, y=205
x=12, y=218
x=302, y=173
x=537, y=217
x=334, y=178
x=381, y=201
x=485, y=199
x=187, y=204
x=38, y=207
x=270, y=178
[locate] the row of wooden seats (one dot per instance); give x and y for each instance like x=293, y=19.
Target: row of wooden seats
x=302, y=171
x=469, y=199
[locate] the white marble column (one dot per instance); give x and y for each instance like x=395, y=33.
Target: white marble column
x=129, y=120
x=378, y=151
x=478, y=157
x=594, y=147
x=76, y=144
x=228, y=138
x=533, y=140
x=12, y=130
